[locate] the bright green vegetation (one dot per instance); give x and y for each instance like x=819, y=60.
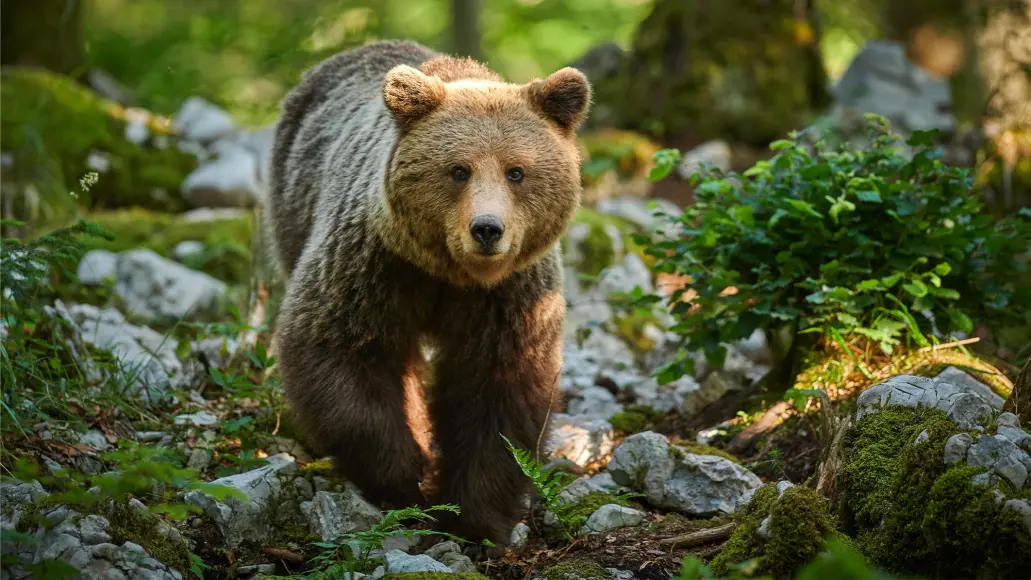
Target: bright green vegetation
x=845, y=243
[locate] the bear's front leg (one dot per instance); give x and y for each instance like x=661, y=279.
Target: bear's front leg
x=497, y=375
x=360, y=402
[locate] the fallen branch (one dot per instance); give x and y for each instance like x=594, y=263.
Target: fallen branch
x=700, y=537
x=952, y=344
x=769, y=421
x=285, y=555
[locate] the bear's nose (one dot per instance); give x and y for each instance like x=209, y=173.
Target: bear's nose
x=487, y=230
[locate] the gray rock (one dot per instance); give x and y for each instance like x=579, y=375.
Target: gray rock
x=882, y=80
x=198, y=419
x=156, y=288
x=611, y=517
x=665, y=398
x=97, y=266
x=711, y=153
x=147, y=360
x=520, y=536
x=187, y=248
x=966, y=409
x=1018, y=436
x=95, y=439
x=636, y=211
x=714, y=387
x=969, y=410
x=397, y=562
x=969, y=384
x=231, y=180
x=704, y=485
x=988, y=449
x=923, y=437
x=643, y=462
x=450, y=554
x=1007, y=420
x=596, y=402
x=93, y=529
x=250, y=518
x=199, y=459
x=623, y=277
x=1012, y=470
x=335, y=514
x=149, y=436
x=581, y=487
x=200, y=120
x=956, y=448
x=581, y=439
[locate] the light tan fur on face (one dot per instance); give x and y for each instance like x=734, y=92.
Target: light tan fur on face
x=488, y=126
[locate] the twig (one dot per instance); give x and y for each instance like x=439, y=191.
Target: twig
x=285, y=555
x=700, y=537
x=952, y=344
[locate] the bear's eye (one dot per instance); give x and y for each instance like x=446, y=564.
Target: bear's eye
x=515, y=174
x=459, y=174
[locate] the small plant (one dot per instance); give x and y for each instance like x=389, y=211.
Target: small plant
x=839, y=561
x=859, y=246
x=546, y=482
x=352, y=552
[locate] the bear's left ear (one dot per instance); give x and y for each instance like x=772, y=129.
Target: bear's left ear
x=564, y=97
x=411, y=95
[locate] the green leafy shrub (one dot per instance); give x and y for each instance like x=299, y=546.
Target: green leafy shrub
x=848, y=244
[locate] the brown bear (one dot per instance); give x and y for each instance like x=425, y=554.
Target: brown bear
x=419, y=197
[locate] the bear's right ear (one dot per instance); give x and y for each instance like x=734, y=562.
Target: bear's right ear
x=411, y=95
x=564, y=97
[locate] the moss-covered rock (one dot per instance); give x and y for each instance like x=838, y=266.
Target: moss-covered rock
x=436, y=576
x=702, y=449
x=781, y=532
x=52, y=127
x=226, y=241
x=575, y=515
x=912, y=513
x=574, y=570
x=133, y=524
x=635, y=419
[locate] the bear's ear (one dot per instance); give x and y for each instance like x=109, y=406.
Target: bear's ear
x=411, y=95
x=564, y=97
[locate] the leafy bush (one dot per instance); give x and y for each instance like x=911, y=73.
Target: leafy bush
x=852, y=244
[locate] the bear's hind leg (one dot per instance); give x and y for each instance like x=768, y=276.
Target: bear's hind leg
x=496, y=374
x=360, y=405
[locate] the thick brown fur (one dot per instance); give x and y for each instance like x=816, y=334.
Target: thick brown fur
x=372, y=227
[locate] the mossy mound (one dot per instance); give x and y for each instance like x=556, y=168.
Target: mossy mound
x=52, y=126
x=616, y=162
x=575, y=570
x=574, y=516
x=799, y=522
x=635, y=419
x=140, y=527
x=911, y=513
x=226, y=241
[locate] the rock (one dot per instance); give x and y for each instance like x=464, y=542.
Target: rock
x=580, y=488
x=450, y=554
x=520, y=537
x=146, y=358
x=612, y=517
x=969, y=384
x=95, y=439
x=97, y=266
x=581, y=439
x=231, y=180
x=397, y=562
x=1018, y=436
x=247, y=519
x=215, y=351
x=625, y=276
x=1007, y=420
x=1023, y=508
x=157, y=288
x=882, y=80
x=601, y=355
x=264, y=569
x=335, y=514
x=198, y=419
x=637, y=211
x=200, y=120
x=956, y=448
x=923, y=437
x=968, y=410
x=199, y=459
x=700, y=485
x=1011, y=469
x=187, y=248
x=212, y=214
x=665, y=398
x=149, y=436
x=596, y=402
x=713, y=388
x=715, y=154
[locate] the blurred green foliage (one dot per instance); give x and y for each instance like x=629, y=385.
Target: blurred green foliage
x=245, y=54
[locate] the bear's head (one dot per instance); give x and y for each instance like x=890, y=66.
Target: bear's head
x=485, y=175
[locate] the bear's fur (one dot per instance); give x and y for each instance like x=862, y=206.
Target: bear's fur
x=386, y=160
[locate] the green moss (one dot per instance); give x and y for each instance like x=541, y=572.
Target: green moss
x=575, y=570
x=800, y=522
x=323, y=467
x=631, y=328
x=128, y=524
x=700, y=449
x=635, y=419
x=227, y=241
x=51, y=125
x=913, y=514
x=574, y=516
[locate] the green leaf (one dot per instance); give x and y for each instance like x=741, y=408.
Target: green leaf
x=916, y=288
x=781, y=144
x=891, y=281
x=869, y=285
x=960, y=320
x=776, y=217
x=943, y=269
x=869, y=196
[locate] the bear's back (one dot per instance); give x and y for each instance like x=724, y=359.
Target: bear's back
x=336, y=113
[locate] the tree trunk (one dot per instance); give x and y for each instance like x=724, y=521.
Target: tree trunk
x=465, y=28
x=748, y=71
x=43, y=33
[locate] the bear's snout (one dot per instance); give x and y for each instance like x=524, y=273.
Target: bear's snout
x=487, y=230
